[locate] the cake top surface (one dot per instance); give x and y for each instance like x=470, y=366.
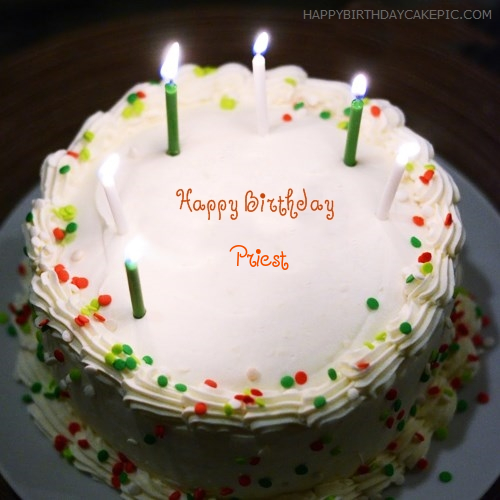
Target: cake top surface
x=346, y=295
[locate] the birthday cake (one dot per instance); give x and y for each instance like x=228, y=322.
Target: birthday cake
x=278, y=338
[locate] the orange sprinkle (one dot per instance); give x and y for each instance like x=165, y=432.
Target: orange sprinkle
x=99, y=317
x=59, y=234
x=74, y=154
x=287, y=117
x=141, y=94
x=418, y=221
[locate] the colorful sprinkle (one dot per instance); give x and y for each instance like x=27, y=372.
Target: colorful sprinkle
x=162, y=381
x=425, y=257
x=301, y=470
x=227, y=103
x=148, y=360
x=287, y=117
x=181, y=387
x=211, y=383
x=332, y=374
x=102, y=455
x=441, y=433
x=325, y=114
x=415, y=242
x=88, y=135
x=291, y=81
x=405, y=328
x=64, y=169
x=391, y=394
x=375, y=111
x=200, y=408
x=80, y=283
x=445, y=476
x=448, y=221
x=301, y=377
x=58, y=233
x=427, y=268
x=287, y=381
x=104, y=300
x=389, y=470
x=298, y=105
x=265, y=482
x=372, y=303
x=319, y=402
x=483, y=398
x=418, y=221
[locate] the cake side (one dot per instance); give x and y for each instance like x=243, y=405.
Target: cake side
x=250, y=353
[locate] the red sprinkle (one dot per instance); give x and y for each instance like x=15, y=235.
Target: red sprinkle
x=391, y=394
x=21, y=269
x=287, y=117
x=363, y=469
x=244, y=480
x=160, y=431
x=456, y=383
x=245, y=398
x=81, y=320
x=389, y=423
x=418, y=221
x=211, y=383
x=74, y=154
x=99, y=317
x=472, y=358
x=418, y=437
x=478, y=340
x=200, y=408
x=301, y=377
x=425, y=257
x=61, y=272
x=59, y=355
x=117, y=468
x=59, y=234
x=104, y=300
x=375, y=111
x=141, y=94
x=80, y=283
x=483, y=398
x=462, y=330
x=448, y=221
x=226, y=491
x=317, y=445
x=392, y=446
x=83, y=444
x=176, y=495
x=434, y=390
x=362, y=365
x=74, y=427
x=254, y=461
x=60, y=442
x=199, y=494
x=400, y=415
x=485, y=321
x=129, y=467
x=115, y=482
x=422, y=464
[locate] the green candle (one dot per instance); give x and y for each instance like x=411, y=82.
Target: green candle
x=168, y=72
x=172, y=119
x=356, y=111
x=134, y=286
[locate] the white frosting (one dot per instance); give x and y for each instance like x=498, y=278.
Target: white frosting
x=247, y=327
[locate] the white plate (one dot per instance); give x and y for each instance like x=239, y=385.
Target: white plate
x=471, y=452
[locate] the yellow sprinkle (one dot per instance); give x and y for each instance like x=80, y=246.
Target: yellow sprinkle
x=291, y=81
x=369, y=345
x=138, y=107
x=227, y=102
x=109, y=358
x=85, y=154
x=343, y=125
x=427, y=268
x=430, y=166
x=410, y=166
x=127, y=112
x=381, y=336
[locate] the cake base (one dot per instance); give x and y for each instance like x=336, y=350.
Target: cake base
x=453, y=364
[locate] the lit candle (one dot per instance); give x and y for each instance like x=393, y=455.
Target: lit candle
x=132, y=252
x=259, y=78
x=168, y=72
x=107, y=177
x=358, y=89
x=405, y=152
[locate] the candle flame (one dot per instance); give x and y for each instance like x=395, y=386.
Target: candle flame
x=170, y=66
x=108, y=169
x=407, y=151
x=135, y=250
x=260, y=45
x=359, y=85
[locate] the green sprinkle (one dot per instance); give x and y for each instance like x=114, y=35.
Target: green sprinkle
x=396, y=406
x=88, y=136
x=405, y=328
x=36, y=387
x=265, y=482
x=75, y=374
x=11, y=330
x=301, y=470
x=462, y=405
x=291, y=81
x=445, y=476
x=415, y=242
x=68, y=454
x=127, y=349
x=124, y=478
x=148, y=360
x=181, y=387
x=149, y=439
x=441, y=433
x=427, y=268
x=109, y=358
x=227, y=103
x=119, y=364
x=64, y=169
x=27, y=398
x=410, y=278
x=325, y=115
x=298, y=105
x=479, y=312
x=102, y=455
x=319, y=401
x=372, y=303
x=162, y=381
x=335, y=451
x=39, y=353
x=71, y=227
x=29, y=217
x=424, y=377
x=228, y=410
x=347, y=111
x=467, y=375
x=332, y=373
x=117, y=349
x=131, y=98
x=401, y=425
x=240, y=460
x=287, y=381
x=131, y=363
x=4, y=318
x=413, y=410
x=85, y=154
x=389, y=470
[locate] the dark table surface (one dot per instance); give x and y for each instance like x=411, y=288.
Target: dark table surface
x=437, y=71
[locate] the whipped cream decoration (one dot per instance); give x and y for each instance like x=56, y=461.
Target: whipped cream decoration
x=318, y=352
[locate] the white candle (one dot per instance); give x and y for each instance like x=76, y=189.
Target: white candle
x=259, y=78
x=405, y=152
x=107, y=177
